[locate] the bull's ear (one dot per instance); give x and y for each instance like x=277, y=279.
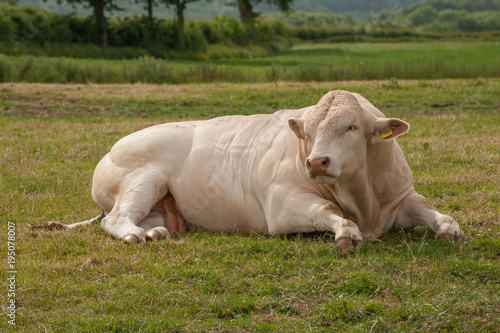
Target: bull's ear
x=391, y=128
x=297, y=126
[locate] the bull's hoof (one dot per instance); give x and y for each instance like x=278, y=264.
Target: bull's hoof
x=458, y=237
x=157, y=233
x=132, y=239
x=346, y=244
x=52, y=225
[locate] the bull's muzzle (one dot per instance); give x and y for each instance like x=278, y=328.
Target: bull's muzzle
x=318, y=166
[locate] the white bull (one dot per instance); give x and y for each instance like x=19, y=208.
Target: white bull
x=334, y=166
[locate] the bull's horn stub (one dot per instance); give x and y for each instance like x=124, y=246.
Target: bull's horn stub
x=385, y=135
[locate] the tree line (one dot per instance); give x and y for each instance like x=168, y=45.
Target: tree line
x=29, y=30
x=101, y=8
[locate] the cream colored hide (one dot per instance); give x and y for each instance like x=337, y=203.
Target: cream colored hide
x=334, y=166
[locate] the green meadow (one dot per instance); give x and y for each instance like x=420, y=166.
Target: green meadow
x=303, y=63
x=53, y=135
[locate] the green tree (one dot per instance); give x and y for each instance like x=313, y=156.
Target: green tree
x=99, y=7
x=248, y=14
x=9, y=2
x=423, y=15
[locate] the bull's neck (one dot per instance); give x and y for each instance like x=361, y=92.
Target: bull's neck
x=388, y=173
x=355, y=196
x=369, y=193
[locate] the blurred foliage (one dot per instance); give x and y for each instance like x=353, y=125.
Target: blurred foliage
x=29, y=30
x=425, y=16
x=453, y=15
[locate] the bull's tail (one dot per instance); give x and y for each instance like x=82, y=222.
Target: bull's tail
x=57, y=225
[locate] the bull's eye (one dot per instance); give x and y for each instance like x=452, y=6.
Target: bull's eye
x=352, y=128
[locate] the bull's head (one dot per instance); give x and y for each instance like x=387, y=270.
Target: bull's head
x=337, y=132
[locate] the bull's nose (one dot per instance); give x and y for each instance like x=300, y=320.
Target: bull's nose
x=318, y=166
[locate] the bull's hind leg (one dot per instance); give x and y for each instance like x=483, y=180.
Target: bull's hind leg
x=154, y=226
x=139, y=191
x=163, y=220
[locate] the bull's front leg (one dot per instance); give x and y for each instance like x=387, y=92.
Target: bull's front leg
x=416, y=210
x=307, y=212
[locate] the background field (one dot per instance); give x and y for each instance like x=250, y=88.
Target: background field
x=305, y=63
x=52, y=136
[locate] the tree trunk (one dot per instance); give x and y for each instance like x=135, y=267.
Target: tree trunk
x=181, y=5
x=150, y=9
x=246, y=12
x=102, y=24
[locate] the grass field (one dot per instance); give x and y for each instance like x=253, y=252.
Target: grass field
x=305, y=63
x=52, y=136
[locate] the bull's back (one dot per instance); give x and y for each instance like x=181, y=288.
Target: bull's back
x=213, y=167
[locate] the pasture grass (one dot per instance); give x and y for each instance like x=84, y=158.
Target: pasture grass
x=304, y=63
x=52, y=136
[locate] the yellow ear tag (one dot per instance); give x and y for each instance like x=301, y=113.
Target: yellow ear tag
x=385, y=135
